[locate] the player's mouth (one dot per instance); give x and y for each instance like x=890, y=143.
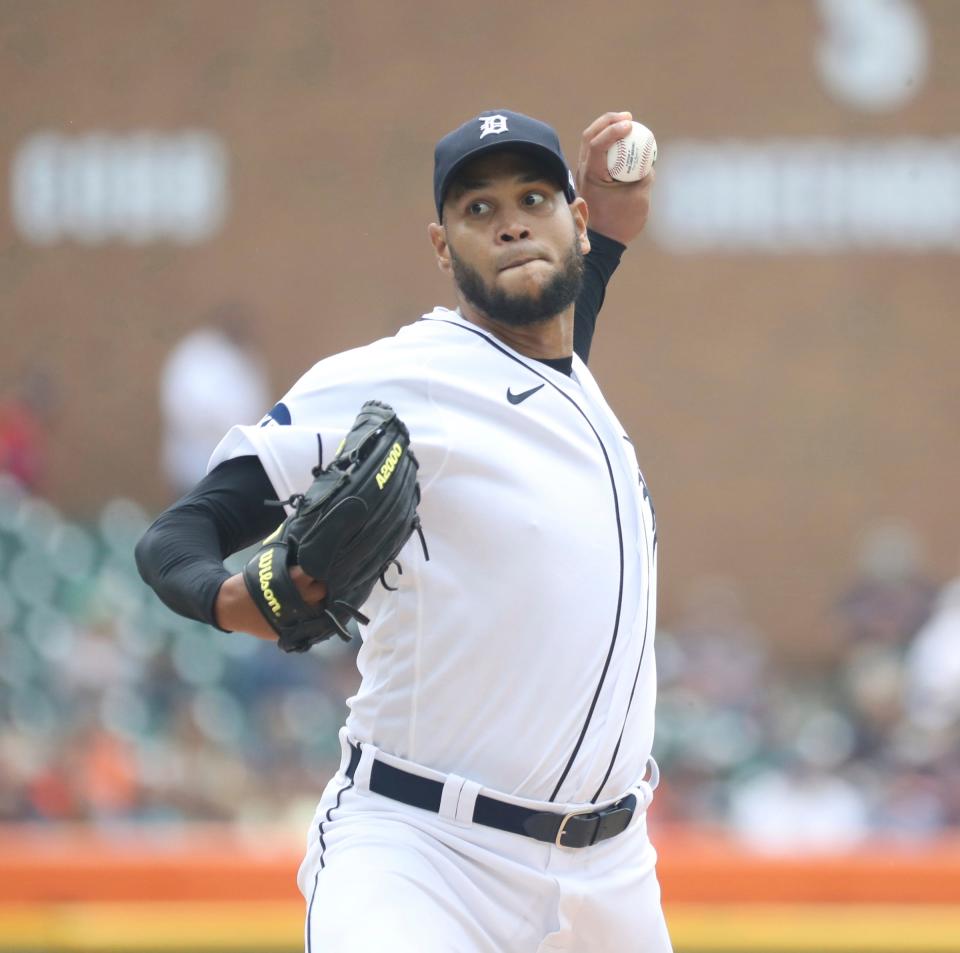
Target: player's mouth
x=520, y=262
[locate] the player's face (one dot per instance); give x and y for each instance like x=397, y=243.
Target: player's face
x=514, y=245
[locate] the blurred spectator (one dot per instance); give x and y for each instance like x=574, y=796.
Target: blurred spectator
x=724, y=658
x=106, y=776
x=912, y=806
x=25, y=416
x=933, y=664
x=211, y=380
x=713, y=699
x=892, y=595
x=799, y=808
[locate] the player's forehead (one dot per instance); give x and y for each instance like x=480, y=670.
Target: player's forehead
x=494, y=168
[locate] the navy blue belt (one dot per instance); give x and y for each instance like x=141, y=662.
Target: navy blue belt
x=576, y=829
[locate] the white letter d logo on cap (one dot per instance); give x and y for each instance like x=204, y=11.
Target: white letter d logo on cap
x=491, y=125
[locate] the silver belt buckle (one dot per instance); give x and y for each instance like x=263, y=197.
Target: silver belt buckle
x=563, y=823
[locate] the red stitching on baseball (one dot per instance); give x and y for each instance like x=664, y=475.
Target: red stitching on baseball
x=619, y=165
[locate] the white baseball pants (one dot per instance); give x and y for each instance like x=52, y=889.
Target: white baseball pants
x=383, y=877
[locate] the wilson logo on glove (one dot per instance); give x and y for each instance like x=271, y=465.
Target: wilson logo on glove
x=265, y=566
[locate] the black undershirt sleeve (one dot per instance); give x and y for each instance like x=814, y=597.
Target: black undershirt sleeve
x=181, y=555
x=599, y=265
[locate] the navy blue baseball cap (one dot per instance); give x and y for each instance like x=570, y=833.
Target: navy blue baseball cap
x=493, y=130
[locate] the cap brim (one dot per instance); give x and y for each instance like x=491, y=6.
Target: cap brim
x=513, y=145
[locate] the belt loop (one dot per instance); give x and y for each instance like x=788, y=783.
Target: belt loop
x=450, y=796
x=344, y=750
x=654, y=769
x=646, y=788
x=467, y=802
x=361, y=777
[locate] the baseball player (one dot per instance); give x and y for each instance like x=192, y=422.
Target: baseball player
x=496, y=764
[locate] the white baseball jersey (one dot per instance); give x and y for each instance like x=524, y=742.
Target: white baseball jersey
x=521, y=654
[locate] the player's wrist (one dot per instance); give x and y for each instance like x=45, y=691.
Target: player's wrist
x=604, y=245
x=235, y=610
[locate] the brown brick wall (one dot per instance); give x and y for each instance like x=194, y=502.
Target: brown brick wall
x=779, y=404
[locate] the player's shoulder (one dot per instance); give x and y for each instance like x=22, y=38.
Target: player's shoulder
x=438, y=329
x=409, y=353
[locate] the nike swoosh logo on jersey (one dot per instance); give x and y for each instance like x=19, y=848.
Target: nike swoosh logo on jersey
x=518, y=398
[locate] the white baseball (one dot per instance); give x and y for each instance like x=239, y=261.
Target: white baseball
x=632, y=157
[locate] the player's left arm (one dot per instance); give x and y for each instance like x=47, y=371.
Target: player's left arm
x=617, y=214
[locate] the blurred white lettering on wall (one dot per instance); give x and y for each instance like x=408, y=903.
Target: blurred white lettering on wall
x=135, y=188
x=809, y=196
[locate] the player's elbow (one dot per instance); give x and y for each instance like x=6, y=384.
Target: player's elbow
x=158, y=551
x=145, y=555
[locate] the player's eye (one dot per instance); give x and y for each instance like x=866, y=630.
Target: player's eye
x=533, y=198
x=478, y=208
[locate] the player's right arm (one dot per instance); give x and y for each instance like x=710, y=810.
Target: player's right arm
x=599, y=267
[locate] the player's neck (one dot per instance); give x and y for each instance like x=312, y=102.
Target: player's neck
x=552, y=338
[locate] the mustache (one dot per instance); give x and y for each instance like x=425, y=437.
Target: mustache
x=521, y=256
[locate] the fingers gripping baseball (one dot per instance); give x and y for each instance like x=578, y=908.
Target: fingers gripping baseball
x=597, y=138
x=618, y=210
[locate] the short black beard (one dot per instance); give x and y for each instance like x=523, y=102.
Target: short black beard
x=522, y=310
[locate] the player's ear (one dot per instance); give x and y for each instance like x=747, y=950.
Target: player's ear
x=581, y=214
x=438, y=238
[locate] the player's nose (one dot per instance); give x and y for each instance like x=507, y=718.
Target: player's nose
x=514, y=231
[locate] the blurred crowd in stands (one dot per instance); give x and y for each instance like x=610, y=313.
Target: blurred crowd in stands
x=822, y=757
x=112, y=708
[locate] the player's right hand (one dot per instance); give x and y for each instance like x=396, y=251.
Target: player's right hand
x=311, y=590
x=618, y=210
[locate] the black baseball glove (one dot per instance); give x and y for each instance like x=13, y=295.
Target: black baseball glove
x=345, y=531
